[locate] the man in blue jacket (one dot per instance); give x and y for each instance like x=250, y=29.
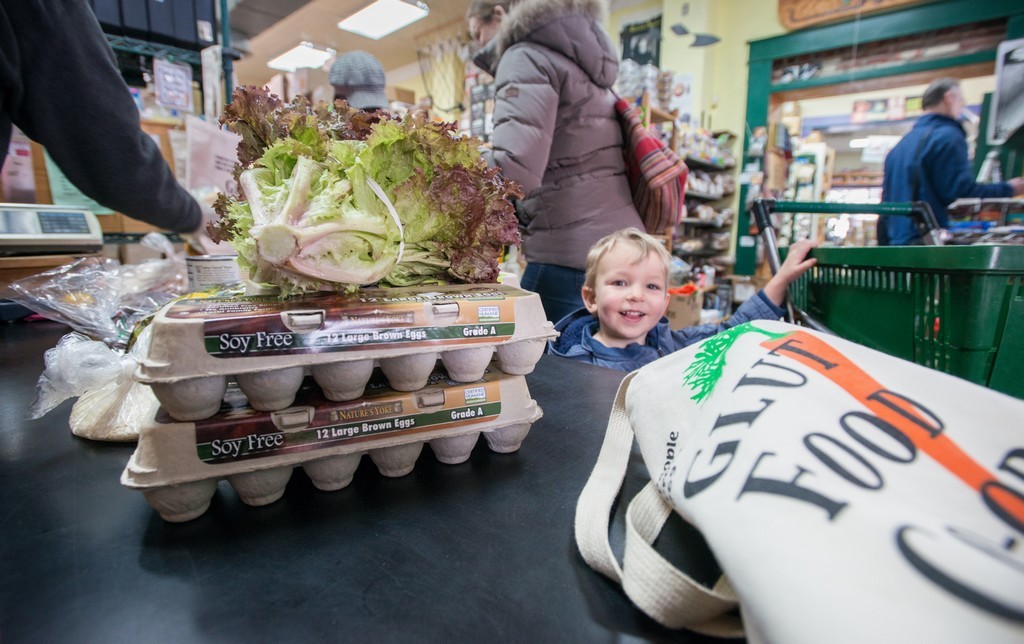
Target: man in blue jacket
x=930, y=164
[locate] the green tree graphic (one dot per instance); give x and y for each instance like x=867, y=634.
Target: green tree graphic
x=708, y=365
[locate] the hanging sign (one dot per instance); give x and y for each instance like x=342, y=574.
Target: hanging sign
x=211, y=154
x=641, y=42
x=17, y=179
x=797, y=14
x=173, y=85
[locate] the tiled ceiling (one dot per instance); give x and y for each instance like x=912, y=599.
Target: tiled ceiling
x=267, y=28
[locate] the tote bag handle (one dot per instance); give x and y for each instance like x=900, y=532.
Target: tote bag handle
x=665, y=593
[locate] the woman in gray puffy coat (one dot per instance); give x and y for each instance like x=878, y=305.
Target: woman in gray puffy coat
x=556, y=132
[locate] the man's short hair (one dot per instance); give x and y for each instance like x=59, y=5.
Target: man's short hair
x=937, y=91
x=640, y=241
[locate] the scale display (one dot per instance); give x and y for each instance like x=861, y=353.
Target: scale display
x=30, y=228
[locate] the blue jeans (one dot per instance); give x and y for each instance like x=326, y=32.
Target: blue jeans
x=558, y=287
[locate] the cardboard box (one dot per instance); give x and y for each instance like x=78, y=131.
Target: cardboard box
x=745, y=287
x=684, y=310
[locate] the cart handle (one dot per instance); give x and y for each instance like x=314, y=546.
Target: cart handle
x=919, y=210
x=763, y=208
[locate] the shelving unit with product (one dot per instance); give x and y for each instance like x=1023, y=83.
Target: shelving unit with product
x=478, y=119
x=705, y=232
x=857, y=186
x=655, y=115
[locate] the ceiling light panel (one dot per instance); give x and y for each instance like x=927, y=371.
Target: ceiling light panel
x=304, y=54
x=384, y=17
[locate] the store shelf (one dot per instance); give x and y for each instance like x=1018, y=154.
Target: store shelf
x=704, y=164
x=135, y=238
x=659, y=115
x=703, y=196
x=654, y=115
x=704, y=252
x=705, y=223
x=857, y=179
x=156, y=50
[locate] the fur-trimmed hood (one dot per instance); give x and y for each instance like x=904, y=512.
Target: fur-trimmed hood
x=573, y=28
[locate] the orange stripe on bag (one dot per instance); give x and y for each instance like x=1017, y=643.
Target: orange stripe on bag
x=898, y=412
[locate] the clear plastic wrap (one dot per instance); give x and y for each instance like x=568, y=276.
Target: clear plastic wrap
x=111, y=405
x=106, y=304
x=101, y=298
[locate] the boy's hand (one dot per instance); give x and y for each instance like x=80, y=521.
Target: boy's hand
x=795, y=265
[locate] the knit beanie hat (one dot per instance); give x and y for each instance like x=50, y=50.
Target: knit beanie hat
x=358, y=77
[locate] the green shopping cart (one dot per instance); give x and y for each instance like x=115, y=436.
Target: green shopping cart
x=957, y=309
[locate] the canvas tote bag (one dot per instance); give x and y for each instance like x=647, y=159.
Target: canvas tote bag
x=848, y=496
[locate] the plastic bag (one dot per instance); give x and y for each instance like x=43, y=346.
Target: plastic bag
x=74, y=366
x=100, y=297
x=111, y=405
x=113, y=412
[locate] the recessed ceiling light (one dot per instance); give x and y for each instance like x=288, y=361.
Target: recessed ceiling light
x=305, y=54
x=384, y=17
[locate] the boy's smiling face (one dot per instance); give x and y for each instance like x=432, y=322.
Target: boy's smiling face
x=628, y=297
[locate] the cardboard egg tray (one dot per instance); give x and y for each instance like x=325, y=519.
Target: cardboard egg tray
x=269, y=345
x=177, y=465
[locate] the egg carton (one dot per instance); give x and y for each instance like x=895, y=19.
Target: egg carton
x=177, y=465
x=269, y=345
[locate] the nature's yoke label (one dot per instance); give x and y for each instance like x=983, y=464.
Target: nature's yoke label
x=313, y=422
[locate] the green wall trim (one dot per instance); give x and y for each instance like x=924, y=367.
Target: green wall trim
x=895, y=24
x=985, y=56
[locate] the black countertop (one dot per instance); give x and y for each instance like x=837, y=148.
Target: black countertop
x=481, y=551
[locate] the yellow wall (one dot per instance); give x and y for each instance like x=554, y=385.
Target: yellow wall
x=736, y=22
x=630, y=13
x=676, y=53
x=720, y=70
x=410, y=80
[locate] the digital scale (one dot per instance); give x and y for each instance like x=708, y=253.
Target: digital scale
x=33, y=229
x=32, y=235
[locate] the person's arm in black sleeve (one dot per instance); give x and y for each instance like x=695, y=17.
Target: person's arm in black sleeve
x=74, y=103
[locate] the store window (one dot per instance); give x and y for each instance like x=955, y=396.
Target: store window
x=839, y=143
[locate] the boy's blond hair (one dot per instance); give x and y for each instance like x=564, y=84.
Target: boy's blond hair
x=641, y=242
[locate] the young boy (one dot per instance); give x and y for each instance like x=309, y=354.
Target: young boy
x=625, y=294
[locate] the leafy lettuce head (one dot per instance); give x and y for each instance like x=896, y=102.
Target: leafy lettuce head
x=333, y=198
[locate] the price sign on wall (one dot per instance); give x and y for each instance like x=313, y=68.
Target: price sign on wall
x=173, y=85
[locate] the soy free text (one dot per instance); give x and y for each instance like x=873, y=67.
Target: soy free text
x=259, y=341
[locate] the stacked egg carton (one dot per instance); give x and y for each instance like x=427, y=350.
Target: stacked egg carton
x=252, y=387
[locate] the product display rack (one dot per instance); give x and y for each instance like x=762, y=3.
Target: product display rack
x=701, y=223
x=654, y=115
x=857, y=179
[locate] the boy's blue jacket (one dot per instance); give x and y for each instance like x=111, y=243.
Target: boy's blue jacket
x=938, y=146
x=577, y=336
